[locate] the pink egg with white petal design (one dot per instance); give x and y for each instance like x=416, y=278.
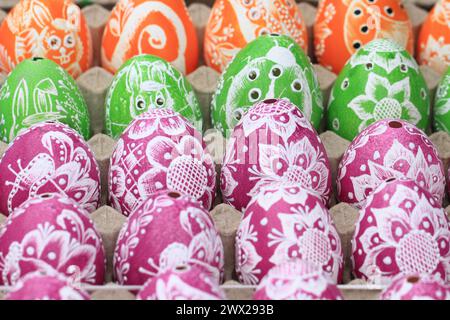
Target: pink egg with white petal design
x=160, y=150
x=273, y=142
x=168, y=230
x=38, y=286
x=401, y=230
x=416, y=287
x=46, y=158
x=389, y=149
x=297, y=280
x=50, y=234
x=284, y=222
x=182, y=283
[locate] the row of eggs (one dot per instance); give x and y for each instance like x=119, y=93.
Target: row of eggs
x=58, y=30
x=380, y=81
x=275, y=154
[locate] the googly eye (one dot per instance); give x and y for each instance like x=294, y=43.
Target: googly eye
x=369, y=66
x=389, y=11
x=356, y=45
x=371, y=1
x=345, y=84
x=296, y=86
x=237, y=114
x=276, y=72
x=54, y=42
x=69, y=41
x=160, y=101
x=254, y=95
x=253, y=74
x=357, y=12
x=140, y=103
x=403, y=67
x=364, y=29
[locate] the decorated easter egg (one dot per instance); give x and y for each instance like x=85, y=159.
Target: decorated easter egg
x=39, y=90
x=159, y=27
x=147, y=82
x=401, y=230
x=273, y=142
x=50, y=233
x=233, y=24
x=284, y=222
x=389, y=149
x=160, y=150
x=39, y=286
x=167, y=231
x=272, y=66
x=49, y=157
x=297, y=280
x=182, y=283
x=433, y=47
x=416, y=287
x=381, y=81
x=52, y=29
x=442, y=104
x=344, y=26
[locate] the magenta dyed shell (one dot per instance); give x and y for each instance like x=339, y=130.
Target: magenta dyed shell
x=183, y=283
x=297, y=280
x=160, y=150
x=416, y=287
x=37, y=286
x=166, y=231
x=273, y=142
x=49, y=157
x=386, y=149
x=401, y=230
x=50, y=233
x=283, y=222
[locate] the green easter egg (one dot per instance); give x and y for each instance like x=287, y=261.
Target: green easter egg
x=272, y=66
x=40, y=90
x=442, y=105
x=380, y=81
x=147, y=82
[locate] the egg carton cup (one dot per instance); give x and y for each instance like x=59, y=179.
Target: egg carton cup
x=94, y=84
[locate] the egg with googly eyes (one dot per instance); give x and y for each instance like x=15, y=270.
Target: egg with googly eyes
x=144, y=83
x=52, y=29
x=272, y=66
x=159, y=27
x=380, y=81
x=234, y=23
x=344, y=26
x=442, y=104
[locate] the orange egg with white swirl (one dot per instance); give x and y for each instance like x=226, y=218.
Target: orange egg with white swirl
x=159, y=27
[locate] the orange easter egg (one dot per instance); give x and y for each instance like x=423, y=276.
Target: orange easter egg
x=433, y=47
x=158, y=27
x=234, y=23
x=344, y=26
x=52, y=29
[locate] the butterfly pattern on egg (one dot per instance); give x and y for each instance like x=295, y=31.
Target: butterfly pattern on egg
x=53, y=29
x=235, y=23
x=358, y=22
x=159, y=27
x=433, y=47
x=144, y=83
x=271, y=66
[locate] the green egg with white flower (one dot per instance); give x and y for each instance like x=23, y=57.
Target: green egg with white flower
x=40, y=90
x=146, y=82
x=442, y=104
x=271, y=66
x=380, y=81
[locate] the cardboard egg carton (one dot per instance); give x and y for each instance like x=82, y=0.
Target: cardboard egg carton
x=94, y=84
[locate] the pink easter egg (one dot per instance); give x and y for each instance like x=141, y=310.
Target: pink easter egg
x=401, y=230
x=416, y=287
x=51, y=233
x=160, y=150
x=182, y=283
x=297, y=280
x=282, y=222
x=166, y=231
x=387, y=149
x=38, y=286
x=46, y=158
x=273, y=142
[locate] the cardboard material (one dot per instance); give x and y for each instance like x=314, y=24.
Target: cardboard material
x=112, y=292
x=309, y=16
x=199, y=13
x=96, y=17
